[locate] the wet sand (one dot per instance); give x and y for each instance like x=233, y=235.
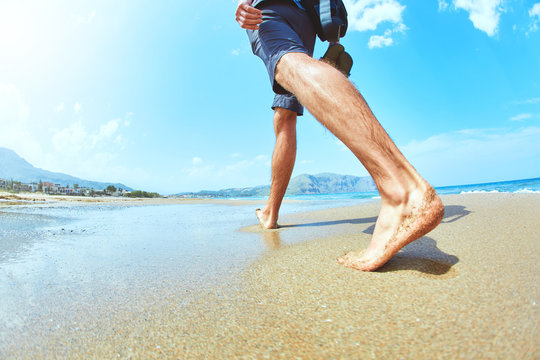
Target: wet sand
x=469, y=289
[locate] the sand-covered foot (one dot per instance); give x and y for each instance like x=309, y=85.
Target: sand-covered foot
x=396, y=227
x=351, y=255
x=265, y=220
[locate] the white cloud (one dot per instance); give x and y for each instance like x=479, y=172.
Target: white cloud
x=530, y=101
x=443, y=5
x=476, y=155
x=196, y=160
x=119, y=139
x=198, y=170
x=521, y=117
x=239, y=173
x=59, y=108
x=127, y=118
x=71, y=139
x=13, y=103
x=77, y=149
x=85, y=151
x=107, y=130
x=399, y=28
x=484, y=14
x=243, y=165
x=91, y=16
x=106, y=133
x=235, y=52
x=77, y=107
x=15, y=129
x=534, y=13
x=369, y=15
x=201, y=171
x=75, y=138
x=379, y=41
x=83, y=19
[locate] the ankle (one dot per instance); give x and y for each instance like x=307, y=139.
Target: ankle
x=394, y=196
x=399, y=194
x=269, y=215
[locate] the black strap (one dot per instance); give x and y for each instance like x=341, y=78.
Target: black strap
x=328, y=27
x=325, y=12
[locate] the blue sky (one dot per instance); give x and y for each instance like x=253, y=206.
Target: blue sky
x=166, y=95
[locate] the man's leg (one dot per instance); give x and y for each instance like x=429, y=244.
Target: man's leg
x=410, y=206
x=282, y=165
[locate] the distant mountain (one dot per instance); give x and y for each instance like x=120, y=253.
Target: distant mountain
x=14, y=167
x=325, y=183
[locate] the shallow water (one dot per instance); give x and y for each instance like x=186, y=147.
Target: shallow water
x=56, y=261
x=59, y=260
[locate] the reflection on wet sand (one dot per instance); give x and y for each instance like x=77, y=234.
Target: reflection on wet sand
x=422, y=255
x=271, y=239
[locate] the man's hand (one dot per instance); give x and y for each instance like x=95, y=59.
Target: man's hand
x=247, y=16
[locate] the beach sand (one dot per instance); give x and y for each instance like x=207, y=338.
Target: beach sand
x=469, y=289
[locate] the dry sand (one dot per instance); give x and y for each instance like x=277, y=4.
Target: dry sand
x=469, y=289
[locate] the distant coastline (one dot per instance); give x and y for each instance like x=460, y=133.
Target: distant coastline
x=526, y=186
x=17, y=176
x=513, y=186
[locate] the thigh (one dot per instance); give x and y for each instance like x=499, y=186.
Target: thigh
x=285, y=28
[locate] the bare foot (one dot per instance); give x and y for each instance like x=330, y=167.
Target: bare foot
x=396, y=227
x=265, y=220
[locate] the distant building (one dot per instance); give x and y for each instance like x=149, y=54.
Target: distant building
x=49, y=188
x=65, y=190
x=19, y=186
x=85, y=191
x=120, y=192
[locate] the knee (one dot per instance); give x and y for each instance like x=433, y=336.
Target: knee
x=297, y=66
x=288, y=66
x=285, y=121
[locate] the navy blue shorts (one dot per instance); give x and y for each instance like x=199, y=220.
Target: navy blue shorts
x=285, y=28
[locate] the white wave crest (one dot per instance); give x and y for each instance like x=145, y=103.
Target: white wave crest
x=520, y=191
x=480, y=192
x=527, y=191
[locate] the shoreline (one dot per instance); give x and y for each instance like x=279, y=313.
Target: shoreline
x=8, y=198
x=468, y=289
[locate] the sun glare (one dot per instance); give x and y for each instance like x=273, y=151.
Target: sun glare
x=18, y=30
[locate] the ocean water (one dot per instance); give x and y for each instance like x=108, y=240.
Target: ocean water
x=58, y=261
x=514, y=186
x=527, y=186
x=67, y=260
